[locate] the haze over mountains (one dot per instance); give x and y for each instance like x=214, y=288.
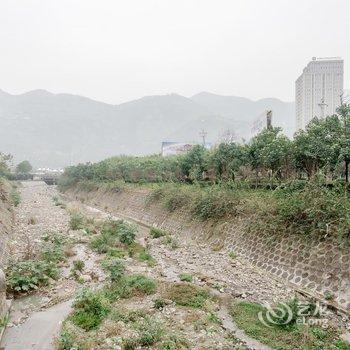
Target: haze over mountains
x=55, y=130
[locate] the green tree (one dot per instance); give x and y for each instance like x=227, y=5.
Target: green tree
x=318, y=146
x=24, y=167
x=192, y=164
x=269, y=151
x=5, y=159
x=344, y=141
x=226, y=160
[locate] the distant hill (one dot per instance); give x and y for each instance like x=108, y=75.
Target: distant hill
x=56, y=130
x=244, y=111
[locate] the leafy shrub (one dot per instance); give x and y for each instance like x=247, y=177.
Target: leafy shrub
x=127, y=233
x=187, y=295
x=291, y=313
x=115, y=268
x=155, y=196
x=52, y=253
x=156, y=232
x=90, y=308
x=149, y=331
x=215, y=205
x=130, y=343
x=76, y=221
x=28, y=275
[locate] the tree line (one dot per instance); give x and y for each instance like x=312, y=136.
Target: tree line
x=323, y=149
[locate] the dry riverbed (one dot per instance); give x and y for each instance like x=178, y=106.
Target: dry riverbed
x=175, y=267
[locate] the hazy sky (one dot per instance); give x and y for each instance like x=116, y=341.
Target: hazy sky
x=116, y=50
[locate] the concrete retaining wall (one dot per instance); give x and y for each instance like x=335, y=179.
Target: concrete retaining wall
x=320, y=266
x=6, y=216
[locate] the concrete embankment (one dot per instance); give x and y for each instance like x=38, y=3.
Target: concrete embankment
x=6, y=216
x=318, y=266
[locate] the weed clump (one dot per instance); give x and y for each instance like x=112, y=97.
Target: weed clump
x=76, y=221
x=90, y=308
x=15, y=197
x=157, y=232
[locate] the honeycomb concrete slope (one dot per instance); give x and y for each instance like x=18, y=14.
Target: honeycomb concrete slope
x=320, y=267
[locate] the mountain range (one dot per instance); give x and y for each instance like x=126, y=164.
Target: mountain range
x=55, y=130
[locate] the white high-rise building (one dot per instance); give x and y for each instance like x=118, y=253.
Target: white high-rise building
x=318, y=90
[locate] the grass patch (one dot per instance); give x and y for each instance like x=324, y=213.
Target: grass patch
x=132, y=285
x=72, y=337
x=145, y=256
x=291, y=337
x=116, y=253
x=185, y=277
x=189, y=295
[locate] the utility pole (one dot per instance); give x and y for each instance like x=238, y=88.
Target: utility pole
x=203, y=134
x=269, y=119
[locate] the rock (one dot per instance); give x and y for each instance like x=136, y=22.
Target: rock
x=86, y=278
